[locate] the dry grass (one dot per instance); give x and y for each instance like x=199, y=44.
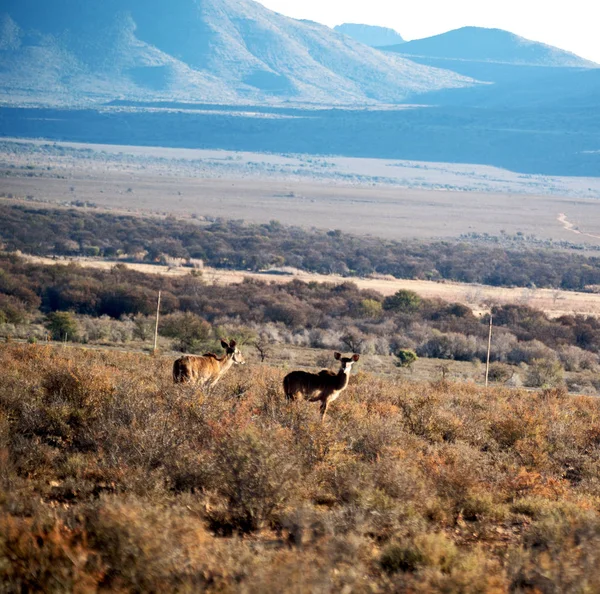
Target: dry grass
x=114, y=479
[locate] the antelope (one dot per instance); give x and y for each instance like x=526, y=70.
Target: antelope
x=207, y=369
x=323, y=387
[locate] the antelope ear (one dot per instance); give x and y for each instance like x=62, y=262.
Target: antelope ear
x=355, y=358
x=232, y=344
x=337, y=355
x=224, y=344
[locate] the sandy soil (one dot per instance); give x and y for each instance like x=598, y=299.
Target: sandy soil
x=478, y=297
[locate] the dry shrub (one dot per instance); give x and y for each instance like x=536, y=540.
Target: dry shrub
x=562, y=553
x=425, y=550
x=254, y=476
x=341, y=479
x=84, y=386
x=500, y=372
x=156, y=547
x=102, y=451
x=544, y=373
x=459, y=473
x=46, y=556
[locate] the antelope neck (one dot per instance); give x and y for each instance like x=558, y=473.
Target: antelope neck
x=344, y=375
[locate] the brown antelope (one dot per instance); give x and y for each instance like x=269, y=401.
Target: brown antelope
x=323, y=387
x=207, y=369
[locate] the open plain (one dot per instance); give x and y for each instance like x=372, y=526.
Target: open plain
x=390, y=199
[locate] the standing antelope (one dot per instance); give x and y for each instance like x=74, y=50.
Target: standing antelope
x=324, y=386
x=207, y=369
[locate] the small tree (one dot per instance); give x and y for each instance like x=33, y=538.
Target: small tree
x=406, y=358
x=190, y=331
x=403, y=301
x=500, y=372
x=61, y=324
x=143, y=327
x=353, y=340
x=261, y=344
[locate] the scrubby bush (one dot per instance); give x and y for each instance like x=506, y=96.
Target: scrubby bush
x=62, y=325
x=255, y=478
x=190, y=331
x=403, y=301
x=406, y=357
x=113, y=478
x=500, y=372
x=544, y=373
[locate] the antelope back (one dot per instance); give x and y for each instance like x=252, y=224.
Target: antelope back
x=199, y=369
x=302, y=382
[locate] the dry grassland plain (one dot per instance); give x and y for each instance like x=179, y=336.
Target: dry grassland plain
x=390, y=199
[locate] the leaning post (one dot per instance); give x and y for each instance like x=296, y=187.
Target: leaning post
x=156, y=326
x=487, y=363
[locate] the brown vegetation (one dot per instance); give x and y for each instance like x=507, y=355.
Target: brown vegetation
x=113, y=478
x=245, y=246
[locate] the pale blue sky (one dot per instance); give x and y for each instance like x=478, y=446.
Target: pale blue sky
x=571, y=25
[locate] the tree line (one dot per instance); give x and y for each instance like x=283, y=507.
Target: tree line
x=322, y=315
x=239, y=245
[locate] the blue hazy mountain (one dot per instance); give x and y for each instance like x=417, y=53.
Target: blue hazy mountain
x=370, y=34
x=479, y=44
x=229, y=51
x=524, y=73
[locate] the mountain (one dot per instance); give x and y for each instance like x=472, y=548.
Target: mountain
x=479, y=44
x=370, y=34
x=526, y=74
x=220, y=51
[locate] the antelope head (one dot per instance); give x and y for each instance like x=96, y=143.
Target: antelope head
x=233, y=352
x=346, y=362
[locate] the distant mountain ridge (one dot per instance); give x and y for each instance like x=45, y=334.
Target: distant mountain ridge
x=370, y=35
x=526, y=74
x=222, y=51
x=490, y=45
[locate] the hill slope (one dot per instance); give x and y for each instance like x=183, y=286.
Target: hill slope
x=370, y=35
x=233, y=51
x=527, y=74
x=490, y=45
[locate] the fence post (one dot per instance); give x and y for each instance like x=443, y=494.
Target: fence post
x=156, y=326
x=487, y=364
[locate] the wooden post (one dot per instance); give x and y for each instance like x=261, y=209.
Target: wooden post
x=487, y=364
x=156, y=327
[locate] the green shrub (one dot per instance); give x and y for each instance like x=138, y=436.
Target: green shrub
x=406, y=357
x=396, y=557
x=190, y=331
x=500, y=372
x=62, y=325
x=403, y=301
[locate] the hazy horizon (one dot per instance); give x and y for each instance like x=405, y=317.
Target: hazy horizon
x=570, y=27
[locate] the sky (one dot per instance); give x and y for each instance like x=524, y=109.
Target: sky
x=571, y=25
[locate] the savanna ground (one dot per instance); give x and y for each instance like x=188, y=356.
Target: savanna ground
x=390, y=199
x=114, y=479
